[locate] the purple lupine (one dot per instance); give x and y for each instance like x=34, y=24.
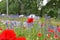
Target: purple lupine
x=28, y=25
x=11, y=25
x=7, y=23
x=51, y=27
x=14, y=23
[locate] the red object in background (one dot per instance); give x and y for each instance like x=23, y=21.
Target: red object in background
x=39, y=34
x=0, y=28
x=30, y=20
x=8, y=35
x=56, y=36
x=21, y=38
x=58, y=29
x=51, y=30
x=48, y=35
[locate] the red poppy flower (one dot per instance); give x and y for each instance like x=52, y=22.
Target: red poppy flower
x=58, y=29
x=30, y=20
x=51, y=30
x=39, y=34
x=48, y=35
x=8, y=34
x=0, y=28
x=56, y=36
x=21, y=38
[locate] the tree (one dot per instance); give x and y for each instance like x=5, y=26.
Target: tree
x=3, y=6
x=30, y=7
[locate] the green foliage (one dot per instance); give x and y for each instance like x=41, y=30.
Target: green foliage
x=2, y=6
x=30, y=7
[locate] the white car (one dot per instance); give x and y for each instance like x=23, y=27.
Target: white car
x=3, y=14
x=32, y=15
x=21, y=16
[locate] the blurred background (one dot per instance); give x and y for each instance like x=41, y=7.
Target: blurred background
x=26, y=7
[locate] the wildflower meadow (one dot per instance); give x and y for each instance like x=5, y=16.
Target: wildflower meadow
x=28, y=28
x=29, y=19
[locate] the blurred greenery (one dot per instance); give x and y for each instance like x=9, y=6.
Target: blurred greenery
x=30, y=7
